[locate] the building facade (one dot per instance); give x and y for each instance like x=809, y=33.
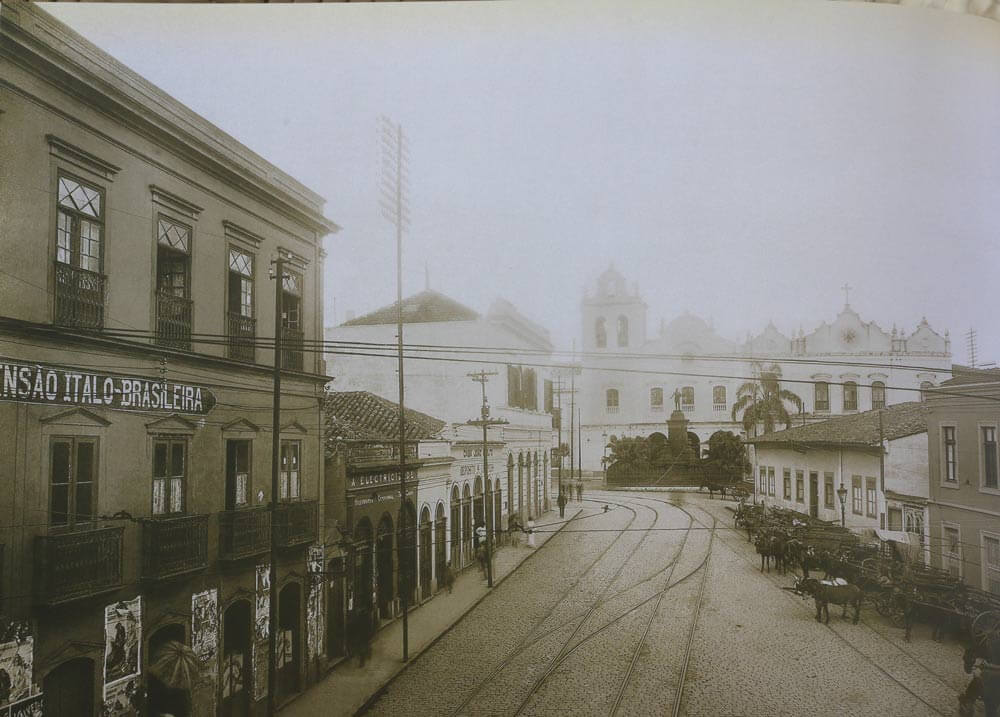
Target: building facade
x=520, y=392
x=844, y=367
x=963, y=418
x=878, y=463
x=135, y=411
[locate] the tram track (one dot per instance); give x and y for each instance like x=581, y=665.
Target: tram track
x=527, y=641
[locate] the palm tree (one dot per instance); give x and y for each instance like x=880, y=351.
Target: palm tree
x=763, y=401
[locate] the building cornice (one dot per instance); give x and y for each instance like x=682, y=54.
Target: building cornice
x=47, y=48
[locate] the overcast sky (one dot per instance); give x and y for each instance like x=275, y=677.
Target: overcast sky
x=739, y=160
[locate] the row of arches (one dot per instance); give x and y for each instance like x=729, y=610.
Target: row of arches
x=601, y=331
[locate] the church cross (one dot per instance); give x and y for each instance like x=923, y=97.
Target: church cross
x=846, y=288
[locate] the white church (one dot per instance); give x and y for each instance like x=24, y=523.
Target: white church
x=847, y=366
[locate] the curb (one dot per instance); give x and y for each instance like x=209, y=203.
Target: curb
x=373, y=697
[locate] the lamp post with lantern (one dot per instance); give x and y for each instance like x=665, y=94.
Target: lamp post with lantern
x=842, y=494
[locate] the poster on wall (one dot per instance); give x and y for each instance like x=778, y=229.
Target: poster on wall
x=122, y=633
x=205, y=644
x=315, y=617
x=123, y=698
x=261, y=646
x=16, y=664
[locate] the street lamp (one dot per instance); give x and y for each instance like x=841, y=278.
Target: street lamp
x=842, y=494
x=604, y=462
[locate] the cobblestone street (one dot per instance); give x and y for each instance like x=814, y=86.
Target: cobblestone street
x=658, y=607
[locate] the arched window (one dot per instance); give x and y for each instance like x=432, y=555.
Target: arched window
x=924, y=385
x=656, y=398
x=821, y=396
x=612, y=400
x=719, y=398
x=687, y=398
x=878, y=394
x=601, y=333
x=850, y=396
x=622, y=331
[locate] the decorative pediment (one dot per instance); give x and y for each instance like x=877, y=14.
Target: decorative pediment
x=81, y=158
x=240, y=425
x=294, y=427
x=76, y=417
x=171, y=201
x=238, y=233
x=173, y=423
x=926, y=339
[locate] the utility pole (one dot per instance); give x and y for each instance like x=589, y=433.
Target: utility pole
x=559, y=442
x=272, y=616
x=881, y=466
x=485, y=421
x=572, y=426
x=579, y=443
x=394, y=209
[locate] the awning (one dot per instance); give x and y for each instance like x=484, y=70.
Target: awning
x=897, y=536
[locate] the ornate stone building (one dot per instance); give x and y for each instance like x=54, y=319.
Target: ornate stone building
x=632, y=379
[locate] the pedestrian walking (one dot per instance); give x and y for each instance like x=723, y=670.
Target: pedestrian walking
x=531, y=532
x=514, y=529
x=579, y=490
x=481, y=559
x=447, y=577
x=562, y=504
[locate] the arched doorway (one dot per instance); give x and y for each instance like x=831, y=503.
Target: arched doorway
x=695, y=444
x=406, y=573
x=383, y=557
x=497, y=508
x=237, y=660
x=425, y=552
x=289, y=638
x=520, y=487
x=510, y=485
x=69, y=689
x=467, y=554
x=364, y=565
x=456, y=527
x=534, y=488
x=160, y=697
x=440, y=538
x=335, y=607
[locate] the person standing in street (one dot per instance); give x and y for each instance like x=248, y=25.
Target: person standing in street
x=579, y=490
x=562, y=504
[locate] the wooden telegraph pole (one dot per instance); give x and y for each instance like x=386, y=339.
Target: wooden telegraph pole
x=481, y=377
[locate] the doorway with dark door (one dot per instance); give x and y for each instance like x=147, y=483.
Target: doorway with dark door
x=237, y=660
x=163, y=698
x=289, y=639
x=335, y=608
x=814, y=494
x=383, y=551
x=69, y=689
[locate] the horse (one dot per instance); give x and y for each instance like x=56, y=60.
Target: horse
x=988, y=650
x=771, y=546
x=824, y=594
x=940, y=617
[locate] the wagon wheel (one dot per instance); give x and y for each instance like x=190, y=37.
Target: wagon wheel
x=987, y=625
x=883, y=603
x=898, y=616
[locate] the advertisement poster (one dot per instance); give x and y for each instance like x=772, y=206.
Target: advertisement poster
x=122, y=635
x=122, y=699
x=315, y=617
x=16, y=669
x=261, y=646
x=205, y=643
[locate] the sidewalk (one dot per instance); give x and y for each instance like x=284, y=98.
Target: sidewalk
x=347, y=687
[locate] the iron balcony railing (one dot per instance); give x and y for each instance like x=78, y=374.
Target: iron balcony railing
x=242, y=333
x=80, y=564
x=173, y=321
x=295, y=523
x=79, y=297
x=244, y=533
x=718, y=407
x=291, y=348
x=174, y=546
x=611, y=409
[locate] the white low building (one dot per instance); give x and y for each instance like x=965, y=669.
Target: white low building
x=806, y=467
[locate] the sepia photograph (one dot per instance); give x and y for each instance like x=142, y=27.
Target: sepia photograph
x=500, y=357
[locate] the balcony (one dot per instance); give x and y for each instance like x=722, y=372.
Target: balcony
x=295, y=523
x=719, y=407
x=173, y=321
x=611, y=409
x=70, y=566
x=244, y=533
x=242, y=332
x=79, y=297
x=174, y=546
x=291, y=348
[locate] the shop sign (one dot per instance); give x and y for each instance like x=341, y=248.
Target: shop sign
x=40, y=383
x=373, y=480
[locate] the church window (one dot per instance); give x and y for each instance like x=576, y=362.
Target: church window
x=601, y=333
x=611, y=396
x=878, y=395
x=822, y=396
x=719, y=398
x=850, y=396
x=687, y=398
x=622, y=331
x=924, y=386
x=656, y=399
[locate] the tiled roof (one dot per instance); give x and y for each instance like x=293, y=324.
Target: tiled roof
x=899, y=420
x=360, y=415
x=965, y=375
x=426, y=307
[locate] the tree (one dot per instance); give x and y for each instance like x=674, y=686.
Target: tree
x=727, y=456
x=763, y=402
x=634, y=451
